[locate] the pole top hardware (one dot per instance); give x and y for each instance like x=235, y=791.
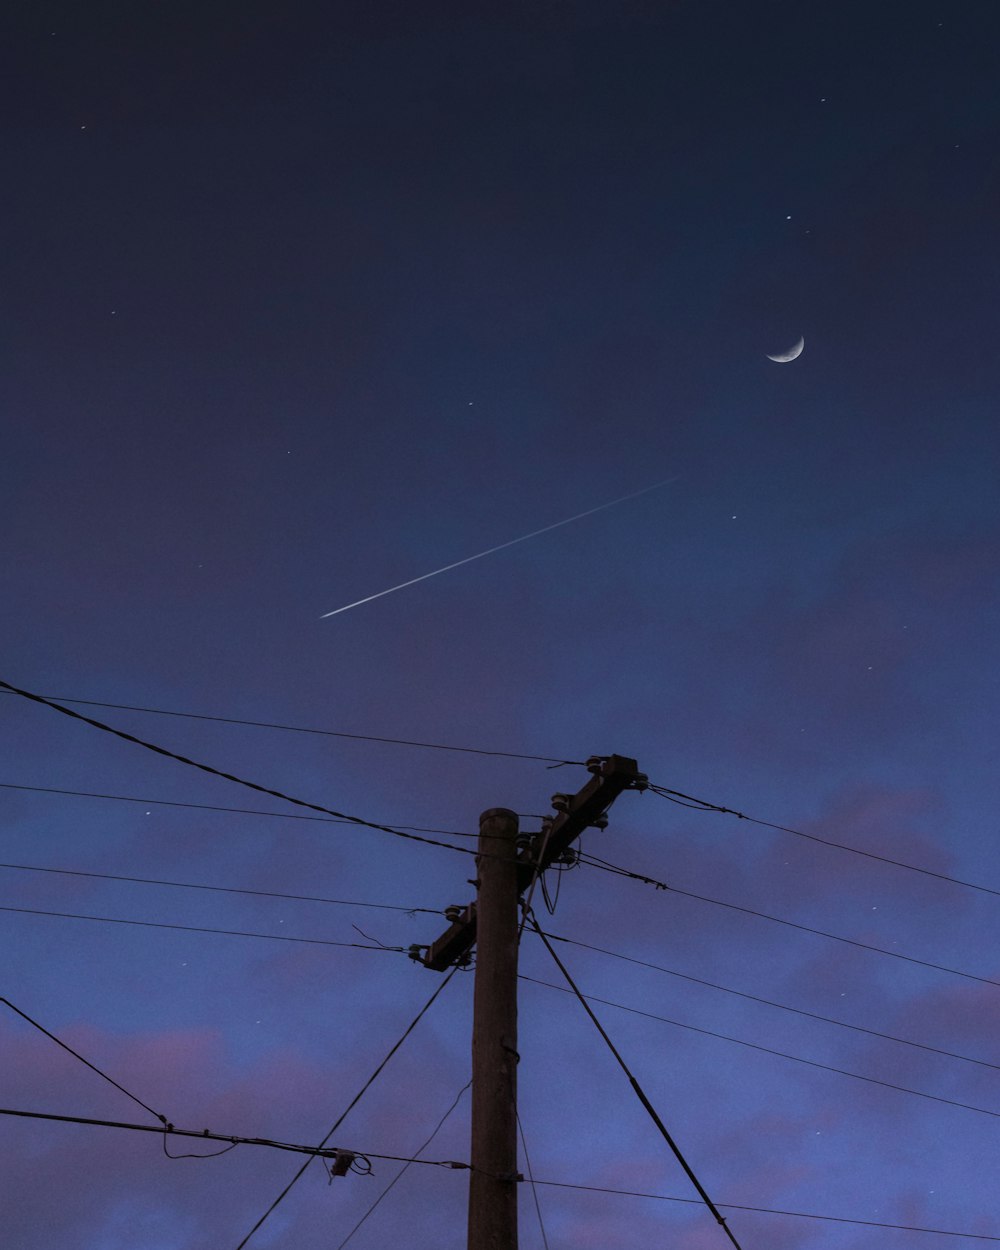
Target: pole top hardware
x=608, y=765
x=611, y=775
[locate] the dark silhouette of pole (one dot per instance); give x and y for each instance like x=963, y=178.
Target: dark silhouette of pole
x=493, y=1183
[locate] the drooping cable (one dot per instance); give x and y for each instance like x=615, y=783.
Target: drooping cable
x=350, y=1106
x=536, y=874
x=637, y=1088
x=403, y=1169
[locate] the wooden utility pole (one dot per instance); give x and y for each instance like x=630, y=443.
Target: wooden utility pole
x=491, y=924
x=493, y=1183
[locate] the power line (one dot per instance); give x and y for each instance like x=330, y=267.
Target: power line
x=402, y=1170
x=171, y=1130
x=300, y=729
x=214, y=807
x=221, y=889
x=594, y=862
x=330, y=1152
x=350, y=1106
x=190, y=928
x=781, y=1054
x=93, y=1067
x=676, y=796
x=805, y=1215
x=703, y=805
x=531, y=1179
x=637, y=1088
x=218, y=772
x=769, y=1002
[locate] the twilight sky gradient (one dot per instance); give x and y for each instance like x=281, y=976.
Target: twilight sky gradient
x=302, y=301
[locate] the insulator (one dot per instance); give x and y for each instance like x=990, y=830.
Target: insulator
x=342, y=1160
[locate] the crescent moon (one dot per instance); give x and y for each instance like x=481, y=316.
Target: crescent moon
x=793, y=353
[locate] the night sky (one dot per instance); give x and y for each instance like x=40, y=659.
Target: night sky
x=300, y=302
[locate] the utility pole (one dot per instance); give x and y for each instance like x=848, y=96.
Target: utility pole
x=507, y=866
x=493, y=1182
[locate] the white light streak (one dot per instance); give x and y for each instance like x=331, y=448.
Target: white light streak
x=500, y=547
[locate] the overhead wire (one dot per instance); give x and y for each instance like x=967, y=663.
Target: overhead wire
x=769, y=1002
x=453, y=1164
x=218, y=772
x=704, y=805
x=300, y=729
x=805, y=1215
x=675, y=796
x=594, y=862
x=769, y=1050
x=215, y=807
x=166, y=1126
x=402, y=1171
x=531, y=1178
x=222, y=889
x=171, y=1130
x=350, y=1106
x=190, y=928
x=86, y=1062
x=636, y=1087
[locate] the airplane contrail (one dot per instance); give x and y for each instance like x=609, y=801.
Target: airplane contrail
x=500, y=547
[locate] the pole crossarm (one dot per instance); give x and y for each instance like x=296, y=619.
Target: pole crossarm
x=611, y=776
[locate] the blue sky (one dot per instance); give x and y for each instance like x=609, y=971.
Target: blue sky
x=300, y=305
